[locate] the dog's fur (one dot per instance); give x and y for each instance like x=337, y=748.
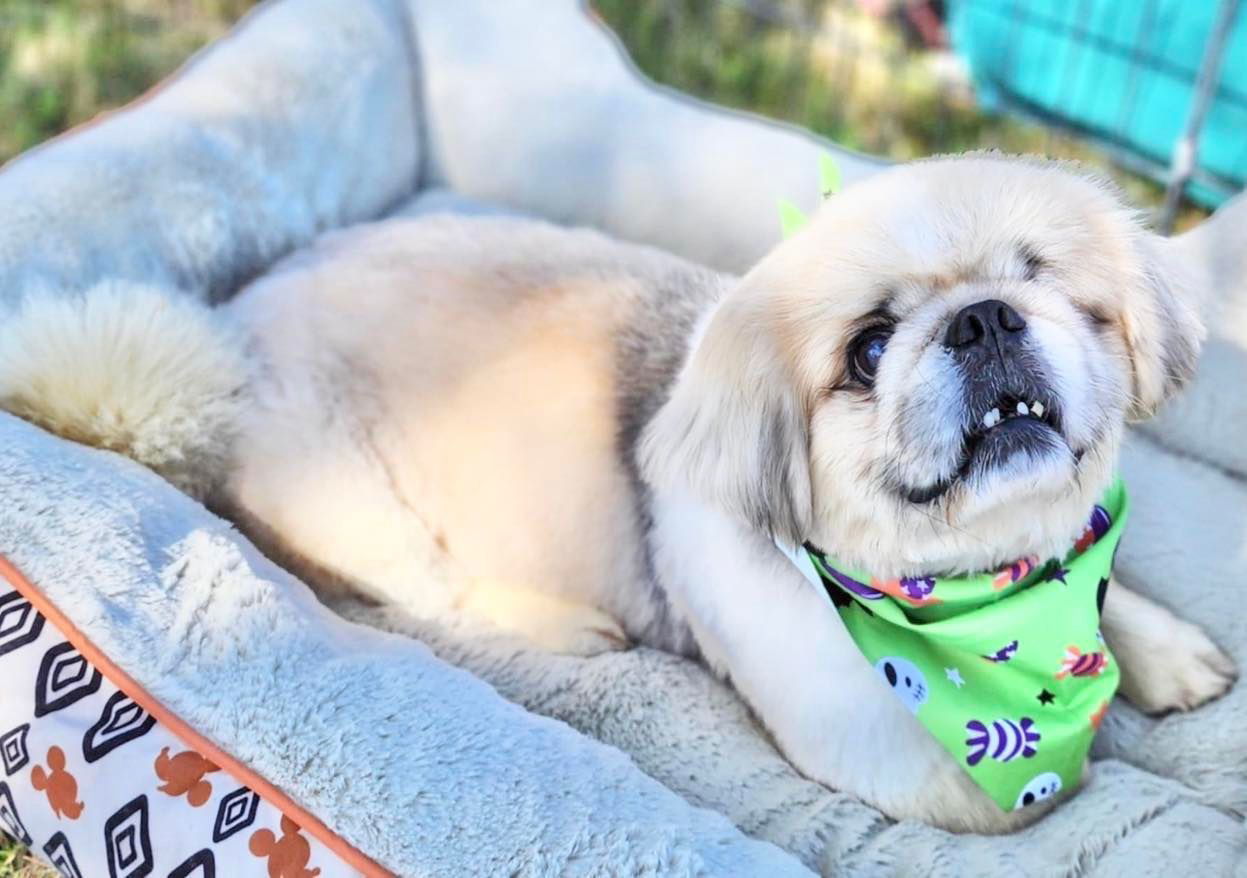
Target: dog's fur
x=590, y=443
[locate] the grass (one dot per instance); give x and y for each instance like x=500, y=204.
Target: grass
x=819, y=63
x=856, y=79
x=14, y=863
x=64, y=61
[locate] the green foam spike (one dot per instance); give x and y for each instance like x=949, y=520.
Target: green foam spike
x=791, y=219
x=828, y=175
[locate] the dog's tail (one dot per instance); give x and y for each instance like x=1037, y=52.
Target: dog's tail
x=134, y=369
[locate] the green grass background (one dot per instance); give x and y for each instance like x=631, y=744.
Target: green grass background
x=820, y=63
x=64, y=61
x=15, y=864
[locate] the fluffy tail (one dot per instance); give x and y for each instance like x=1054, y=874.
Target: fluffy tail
x=130, y=368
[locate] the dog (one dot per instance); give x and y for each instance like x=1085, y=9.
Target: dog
x=499, y=422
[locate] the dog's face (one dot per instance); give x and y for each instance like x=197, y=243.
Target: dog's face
x=933, y=375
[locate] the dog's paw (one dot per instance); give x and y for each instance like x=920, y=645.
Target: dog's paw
x=1182, y=671
x=549, y=622
x=590, y=633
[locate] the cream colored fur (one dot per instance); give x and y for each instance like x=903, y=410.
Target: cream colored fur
x=129, y=368
x=1166, y=663
x=472, y=439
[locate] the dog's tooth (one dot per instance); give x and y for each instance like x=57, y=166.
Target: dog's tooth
x=1037, y=409
x=1023, y=410
x=991, y=419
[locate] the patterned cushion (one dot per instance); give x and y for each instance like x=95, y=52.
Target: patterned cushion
x=98, y=775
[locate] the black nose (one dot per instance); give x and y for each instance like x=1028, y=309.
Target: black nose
x=979, y=323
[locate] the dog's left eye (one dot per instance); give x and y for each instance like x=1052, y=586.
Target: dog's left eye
x=866, y=352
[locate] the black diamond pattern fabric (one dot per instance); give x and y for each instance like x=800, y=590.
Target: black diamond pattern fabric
x=9, y=819
x=121, y=721
x=127, y=842
x=19, y=623
x=201, y=864
x=64, y=678
x=61, y=856
x=13, y=753
x=235, y=813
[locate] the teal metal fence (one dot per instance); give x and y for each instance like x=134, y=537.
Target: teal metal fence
x=1132, y=74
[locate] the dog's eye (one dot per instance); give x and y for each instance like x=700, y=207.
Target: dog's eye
x=866, y=352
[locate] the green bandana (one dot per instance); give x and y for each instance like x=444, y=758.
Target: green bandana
x=1007, y=670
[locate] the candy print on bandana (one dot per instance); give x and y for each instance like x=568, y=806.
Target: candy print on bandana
x=1005, y=739
x=1005, y=652
x=991, y=637
x=1077, y=664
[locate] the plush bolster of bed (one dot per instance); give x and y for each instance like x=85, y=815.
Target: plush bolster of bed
x=304, y=118
x=421, y=766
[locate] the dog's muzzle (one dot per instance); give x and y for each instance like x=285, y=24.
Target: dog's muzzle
x=1003, y=378
x=1010, y=407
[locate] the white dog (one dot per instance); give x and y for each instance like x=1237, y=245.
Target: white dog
x=591, y=443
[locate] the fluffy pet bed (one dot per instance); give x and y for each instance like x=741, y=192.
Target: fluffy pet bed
x=173, y=703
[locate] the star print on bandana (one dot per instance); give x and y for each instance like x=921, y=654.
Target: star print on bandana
x=1058, y=575
x=1045, y=697
x=954, y=677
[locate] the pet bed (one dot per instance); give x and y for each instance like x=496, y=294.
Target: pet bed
x=173, y=703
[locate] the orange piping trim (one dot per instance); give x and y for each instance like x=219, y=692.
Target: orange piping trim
x=123, y=681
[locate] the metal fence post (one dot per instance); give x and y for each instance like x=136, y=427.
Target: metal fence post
x=1186, y=149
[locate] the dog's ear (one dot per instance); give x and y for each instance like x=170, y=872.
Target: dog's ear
x=735, y=428
x=1162, y=326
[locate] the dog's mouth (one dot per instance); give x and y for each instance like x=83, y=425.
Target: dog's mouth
x=1010, y=424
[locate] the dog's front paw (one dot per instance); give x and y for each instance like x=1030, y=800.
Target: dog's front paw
x=581, y=631
x=550, y=622
x=945, y=796
x=1180, y=671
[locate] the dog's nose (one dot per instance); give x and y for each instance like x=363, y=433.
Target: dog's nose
x=983, y=322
